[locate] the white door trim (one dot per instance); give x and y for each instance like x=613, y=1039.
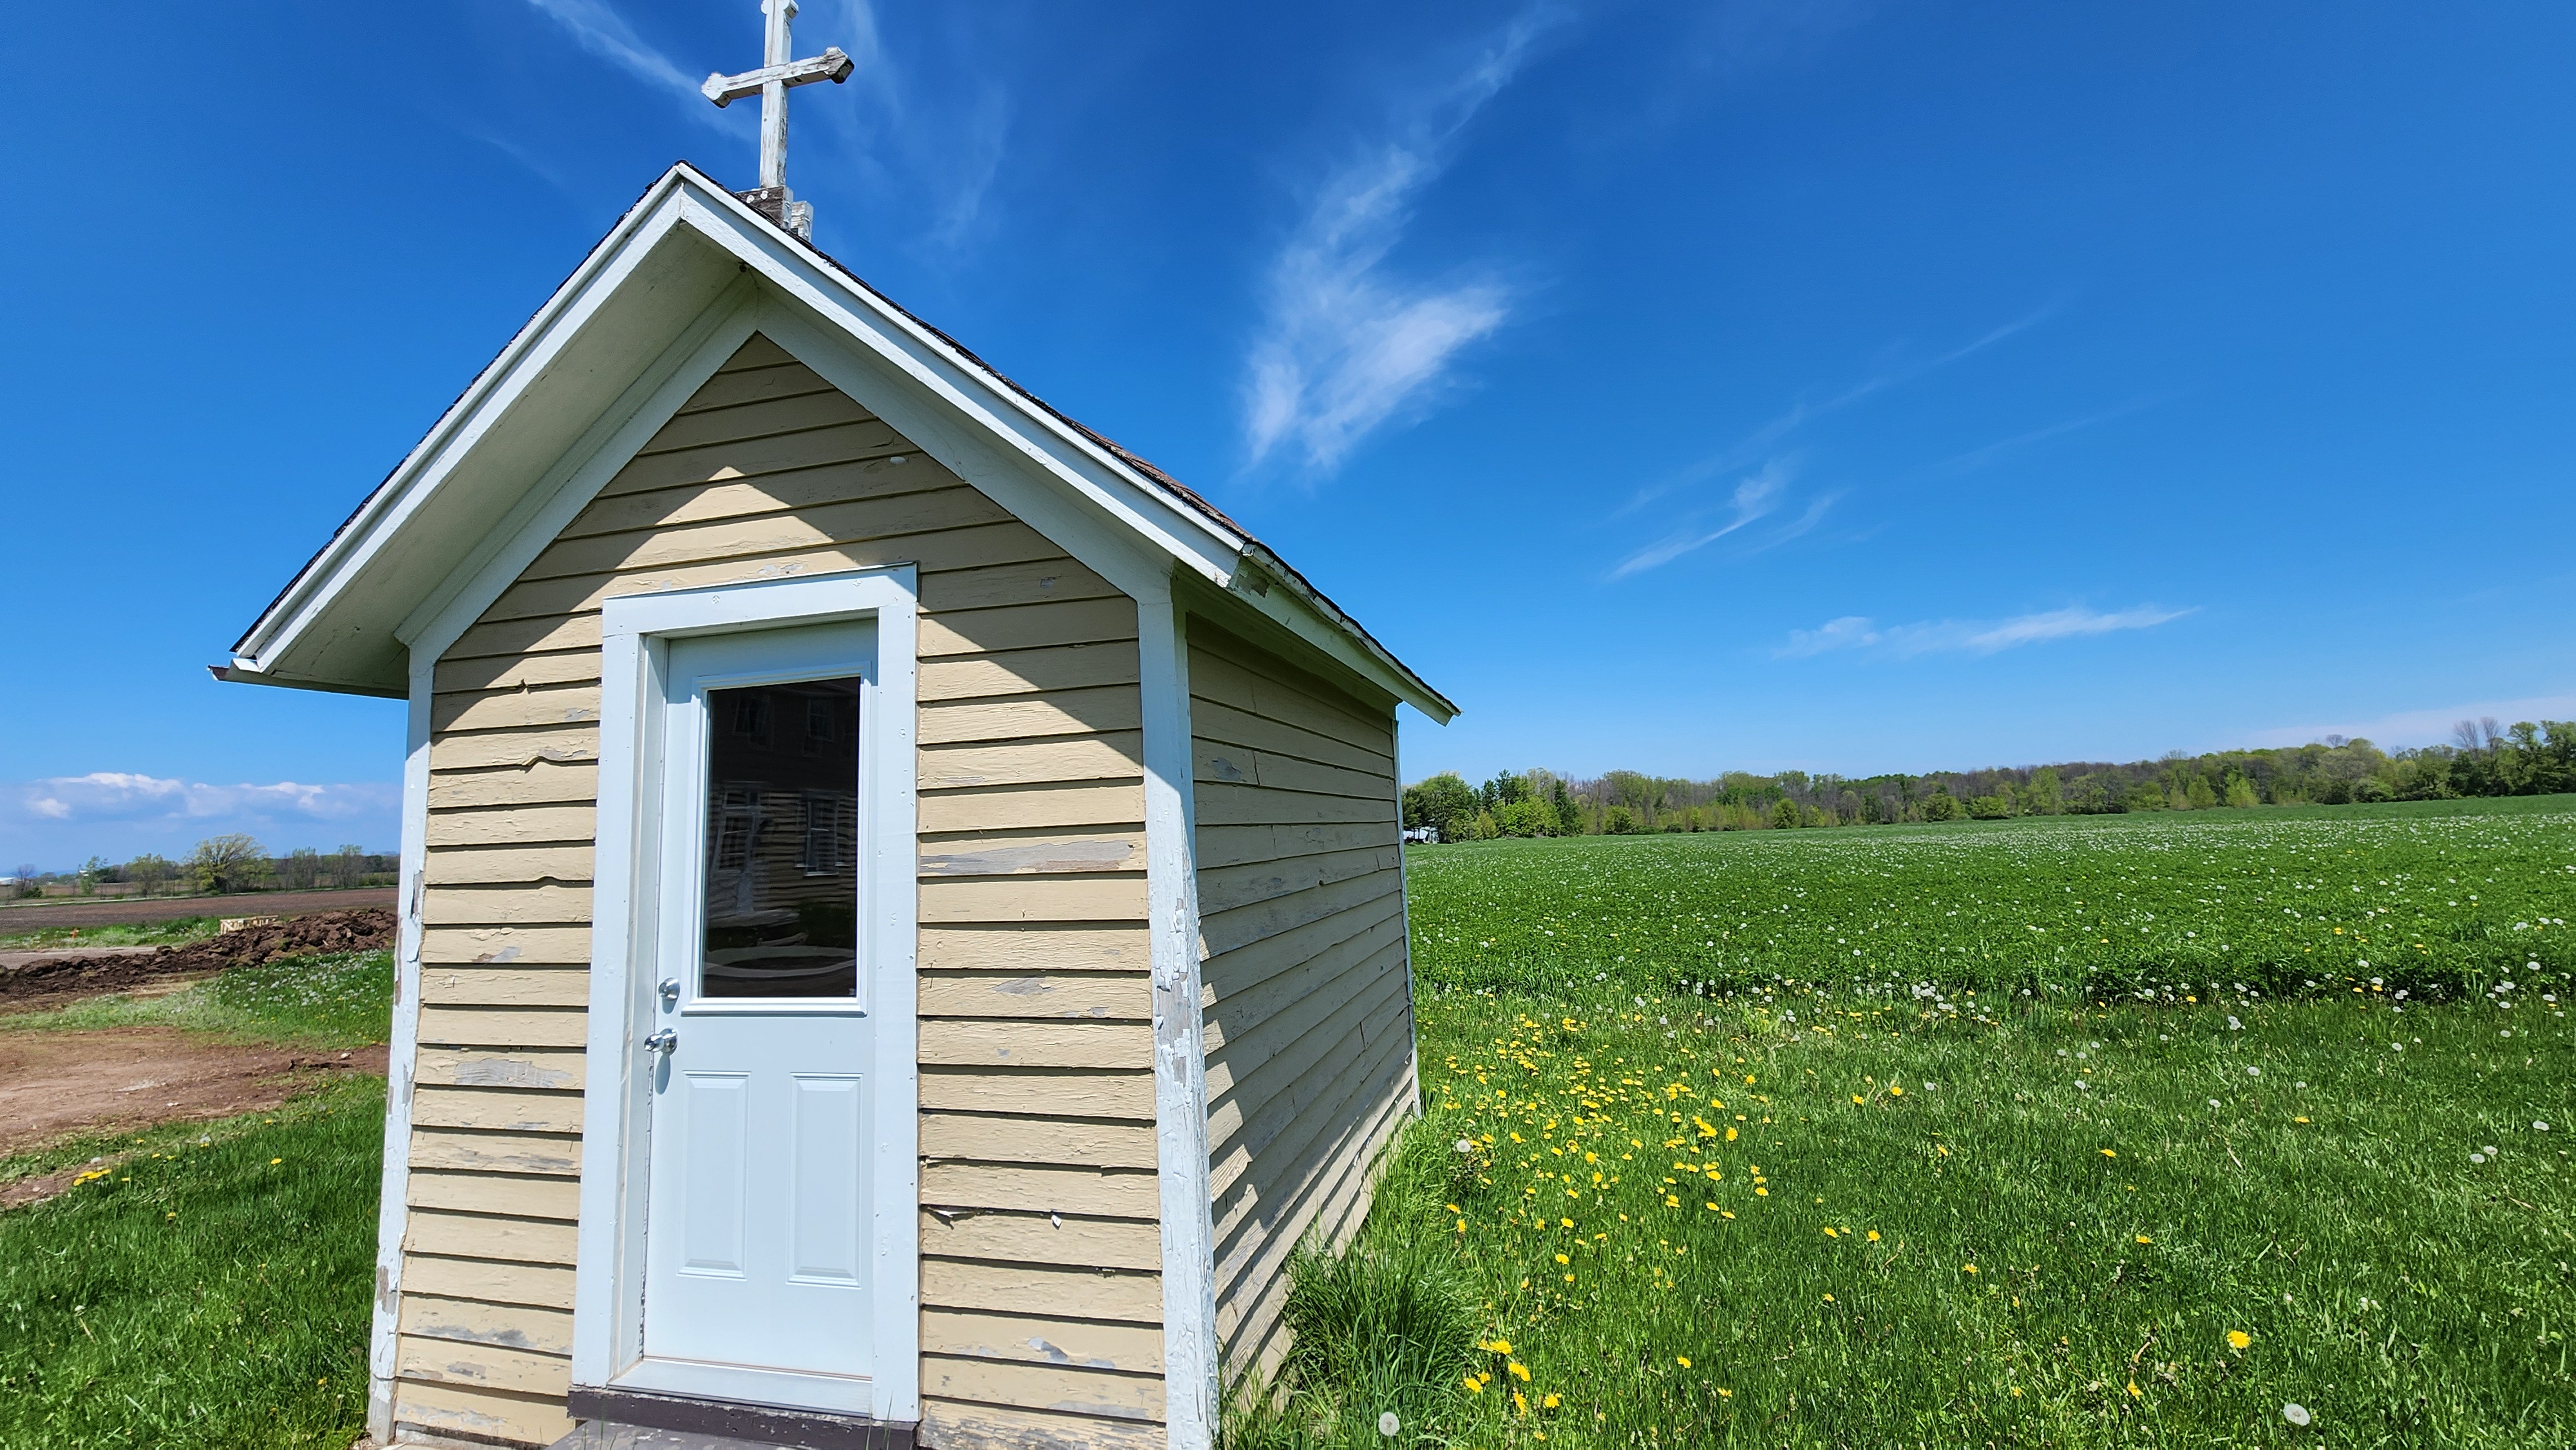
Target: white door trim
x=609, y=1275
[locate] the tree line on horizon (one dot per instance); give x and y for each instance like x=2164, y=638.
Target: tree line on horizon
x=218, y=864
x=2482, y=759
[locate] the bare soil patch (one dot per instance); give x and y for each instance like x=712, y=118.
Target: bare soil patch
x=54, y=1085
x=53, y=980
x=133, y=911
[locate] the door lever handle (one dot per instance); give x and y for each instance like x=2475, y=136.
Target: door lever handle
x=665, y=1040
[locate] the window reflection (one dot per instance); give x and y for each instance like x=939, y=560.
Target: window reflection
x=782, y=841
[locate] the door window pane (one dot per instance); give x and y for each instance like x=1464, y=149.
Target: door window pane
x=782, y=828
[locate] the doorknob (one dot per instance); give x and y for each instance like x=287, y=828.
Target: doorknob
x=665, y=1040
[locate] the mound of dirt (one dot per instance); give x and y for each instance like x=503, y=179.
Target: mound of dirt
x=57, y=979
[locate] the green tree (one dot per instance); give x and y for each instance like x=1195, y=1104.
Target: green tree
x=91, y=872
x=1784, y=816
x=149, y=870
x=1940, y=805
x=2240, y=792
x=231, y=862
x=1445, y=803
x=2197, y=795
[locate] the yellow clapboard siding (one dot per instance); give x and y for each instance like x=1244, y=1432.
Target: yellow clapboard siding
x=1033, y=898
x=499, y=1109
x=1277, y=691
x=1065, y=1142
x=970, y=1426
x=1074, y=758
x=504, y=1326
x=471, y=1151
x=755, y=385
x=549, y=986
x=506, y=638
x=1003, y=1334
x=522, y=826
x=1293, y=1118
x=1300, y=1185
x=468, y=945
x=972, y=1042
x=1137, y=1398
x=563, y=1067
x=1229, y=887
x=1037, y=807
x=936, y=550
x=486, y=1415
x=478, y=1236
x=1055, y=994
x=758, y=457
x=518, y=1195
x=1057, y=1092
x=761, y=418
x=1111, y=947
x=1219, y=803
x=449, y=1362
x=1223, y=846
x=1217, y=762
x=1257, y=961
x=1034, y=853
x=506, y=906
x=1029, y=671
x=519, y=748
x=460, y=676
x=1228, y=930
x=1040, y=1189
x=1254, y=1074
x=510, y=865
x=543, y=783
x=501, y=1027
x=1027, y=626
x=804, y=529
x=970, y=1284
x=1231, y=1011
x=1215, y=724
x=698, y=503
x=1031, y=581
x=539, y=708
x=1036, y=1238
x=1100, y=710
x=484, y=1281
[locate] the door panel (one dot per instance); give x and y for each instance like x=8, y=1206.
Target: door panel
x=760, y=1205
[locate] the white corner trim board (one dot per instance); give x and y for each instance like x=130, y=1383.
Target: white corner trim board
x=1190, y=1351
x=637, y=628
x=402, y=1058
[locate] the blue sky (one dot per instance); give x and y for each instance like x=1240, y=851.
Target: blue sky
x=1679, y=387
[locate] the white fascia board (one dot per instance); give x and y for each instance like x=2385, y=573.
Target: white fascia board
x=465, y=425
x=1286, y=600
x=1039, y=437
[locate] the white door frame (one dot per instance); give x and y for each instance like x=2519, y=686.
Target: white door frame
x=608, y=1292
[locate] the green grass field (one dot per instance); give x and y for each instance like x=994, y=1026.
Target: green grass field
x=1809, y=1138
x=209, y=1287
x=153, y=933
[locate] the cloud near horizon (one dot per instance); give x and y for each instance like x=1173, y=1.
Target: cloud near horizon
x=60, y=820
x=1344, y=345
x=1964, y=636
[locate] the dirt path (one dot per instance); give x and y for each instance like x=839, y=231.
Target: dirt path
x=133, y=911
x=56, y=1084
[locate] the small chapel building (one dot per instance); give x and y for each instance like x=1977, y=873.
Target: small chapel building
x=903, y=926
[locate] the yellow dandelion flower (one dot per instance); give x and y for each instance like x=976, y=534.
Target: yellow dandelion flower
x=1562, y=1259
x=2107, y=1153
x=1873, y=1236
x=1475, y=1386
x=1762, y=1193
x=1683, y=1360
x=273, y=1162
x=2142, y=1238
x=1968, y=1269
x=2238, y=1339
x=1829, y=1233
x=1730, y=1135
x=1498, y=1346
x=2298, y=1120
x=1520, y=1403
x=1894, y=1091
x=1726, y=1394
x=1829, y=1298
x=1722, y=1213
x=2134, y=1392
x=1519, y=1371
x=1550, y=1403
x=1858, y=1098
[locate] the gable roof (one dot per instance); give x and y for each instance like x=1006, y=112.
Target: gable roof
x=589, y=364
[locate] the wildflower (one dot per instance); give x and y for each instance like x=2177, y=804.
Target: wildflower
x=1387, y=1424
x=2142, y=1238
x=1873, y=1236
x=2107, y=1153
x=1519, y=1370
x=2296, y=1414
x=1968, y=1269
x=1683, y=1360
x=1894, y=1091
x=1475, y=1386
x=1498, y=1346
x=273, y=1162
x=2238, y=1339
x=1549, y=1403
x=2134, y=1392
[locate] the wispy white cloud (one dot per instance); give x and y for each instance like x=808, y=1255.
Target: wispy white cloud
x=1346, y=345
x=1755, y=498
x=1984, y=637
x=2425, y=726
x=61, y=819
x=604, y=33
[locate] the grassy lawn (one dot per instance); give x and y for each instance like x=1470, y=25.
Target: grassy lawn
x=1809, y=1138
x=210, y=1287
x=154, y=933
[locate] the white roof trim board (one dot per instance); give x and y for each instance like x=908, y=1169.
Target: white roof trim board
x=592, y=357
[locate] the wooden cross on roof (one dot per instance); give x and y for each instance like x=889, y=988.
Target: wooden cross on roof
x=777, y=72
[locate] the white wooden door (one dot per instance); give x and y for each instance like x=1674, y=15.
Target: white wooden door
x=759, y=1211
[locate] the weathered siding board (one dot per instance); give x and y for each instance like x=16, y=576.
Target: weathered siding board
x=1037, y=1087
x=1306, y=997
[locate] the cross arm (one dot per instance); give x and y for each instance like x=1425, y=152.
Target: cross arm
x=832, y=65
